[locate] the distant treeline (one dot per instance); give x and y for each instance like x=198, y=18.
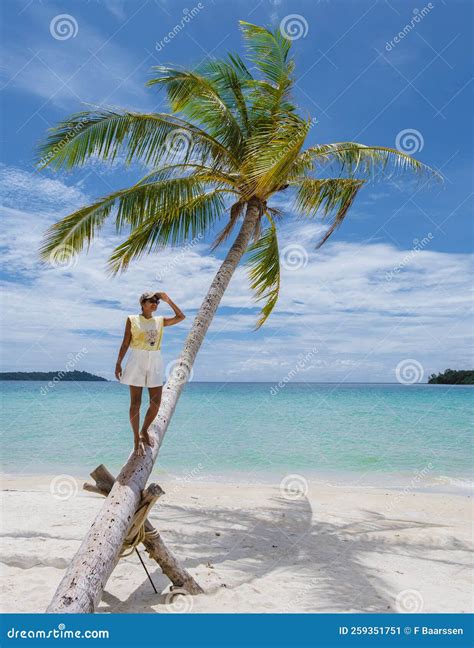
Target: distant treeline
x=452, y=377
x=48, y=375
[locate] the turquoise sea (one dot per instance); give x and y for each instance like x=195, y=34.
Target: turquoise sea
x=364, y=434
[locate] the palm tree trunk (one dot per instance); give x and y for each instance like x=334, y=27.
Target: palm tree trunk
x=81, y=587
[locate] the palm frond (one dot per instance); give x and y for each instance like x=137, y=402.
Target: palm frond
x=202, y=171
x=241, y=68
x=199, y=99
x=365, y=161
x=169, y=227
x=146, y=199
x=275, y=213
x=270, y=153
x=333, y=196
x=235, y=211
x=269, y=52
x=264, y=273
x=145, y=138
x=232, y=80
x=134, y=205
x=67, y=237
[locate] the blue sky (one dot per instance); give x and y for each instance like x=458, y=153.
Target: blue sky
x=391, y=285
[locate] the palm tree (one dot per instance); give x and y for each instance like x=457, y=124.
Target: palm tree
x=232, y=141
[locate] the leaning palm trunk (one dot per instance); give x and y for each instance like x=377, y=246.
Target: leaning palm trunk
x=81, y=588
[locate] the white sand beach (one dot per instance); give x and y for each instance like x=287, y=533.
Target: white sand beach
x=252, y=549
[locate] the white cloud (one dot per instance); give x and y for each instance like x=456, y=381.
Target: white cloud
x=363, y=307
x=21, y=189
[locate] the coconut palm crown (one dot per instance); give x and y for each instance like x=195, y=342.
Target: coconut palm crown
x=233, y=138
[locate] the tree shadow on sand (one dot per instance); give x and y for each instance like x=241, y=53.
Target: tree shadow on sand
x=327, y=557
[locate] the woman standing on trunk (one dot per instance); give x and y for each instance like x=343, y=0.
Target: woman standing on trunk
x=144, y=368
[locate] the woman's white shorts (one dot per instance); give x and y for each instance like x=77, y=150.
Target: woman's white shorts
x=143, y=369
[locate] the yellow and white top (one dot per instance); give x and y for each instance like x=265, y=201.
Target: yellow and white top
x=146, y=333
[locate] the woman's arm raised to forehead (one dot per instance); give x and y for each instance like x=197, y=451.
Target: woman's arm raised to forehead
x=179, y=316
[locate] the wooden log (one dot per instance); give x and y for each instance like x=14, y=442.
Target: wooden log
x=136, y=533
x=82, y=585
x=153, y=542
x=157, y=550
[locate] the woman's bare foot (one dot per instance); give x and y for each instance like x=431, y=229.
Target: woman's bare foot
x=139, y=449
x=149, y=440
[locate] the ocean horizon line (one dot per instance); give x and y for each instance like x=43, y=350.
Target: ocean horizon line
x=272, y=382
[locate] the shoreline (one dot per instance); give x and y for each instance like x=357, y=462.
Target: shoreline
x=396, y=482
x=252, y=549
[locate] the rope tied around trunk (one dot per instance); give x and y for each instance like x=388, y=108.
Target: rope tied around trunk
x=138, y=533
x=141, y=536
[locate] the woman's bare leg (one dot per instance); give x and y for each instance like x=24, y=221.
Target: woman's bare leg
x=153, y=407
x=135, y=402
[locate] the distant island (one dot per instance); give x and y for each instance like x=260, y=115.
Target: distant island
x=49, y=375
x=452, y=377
